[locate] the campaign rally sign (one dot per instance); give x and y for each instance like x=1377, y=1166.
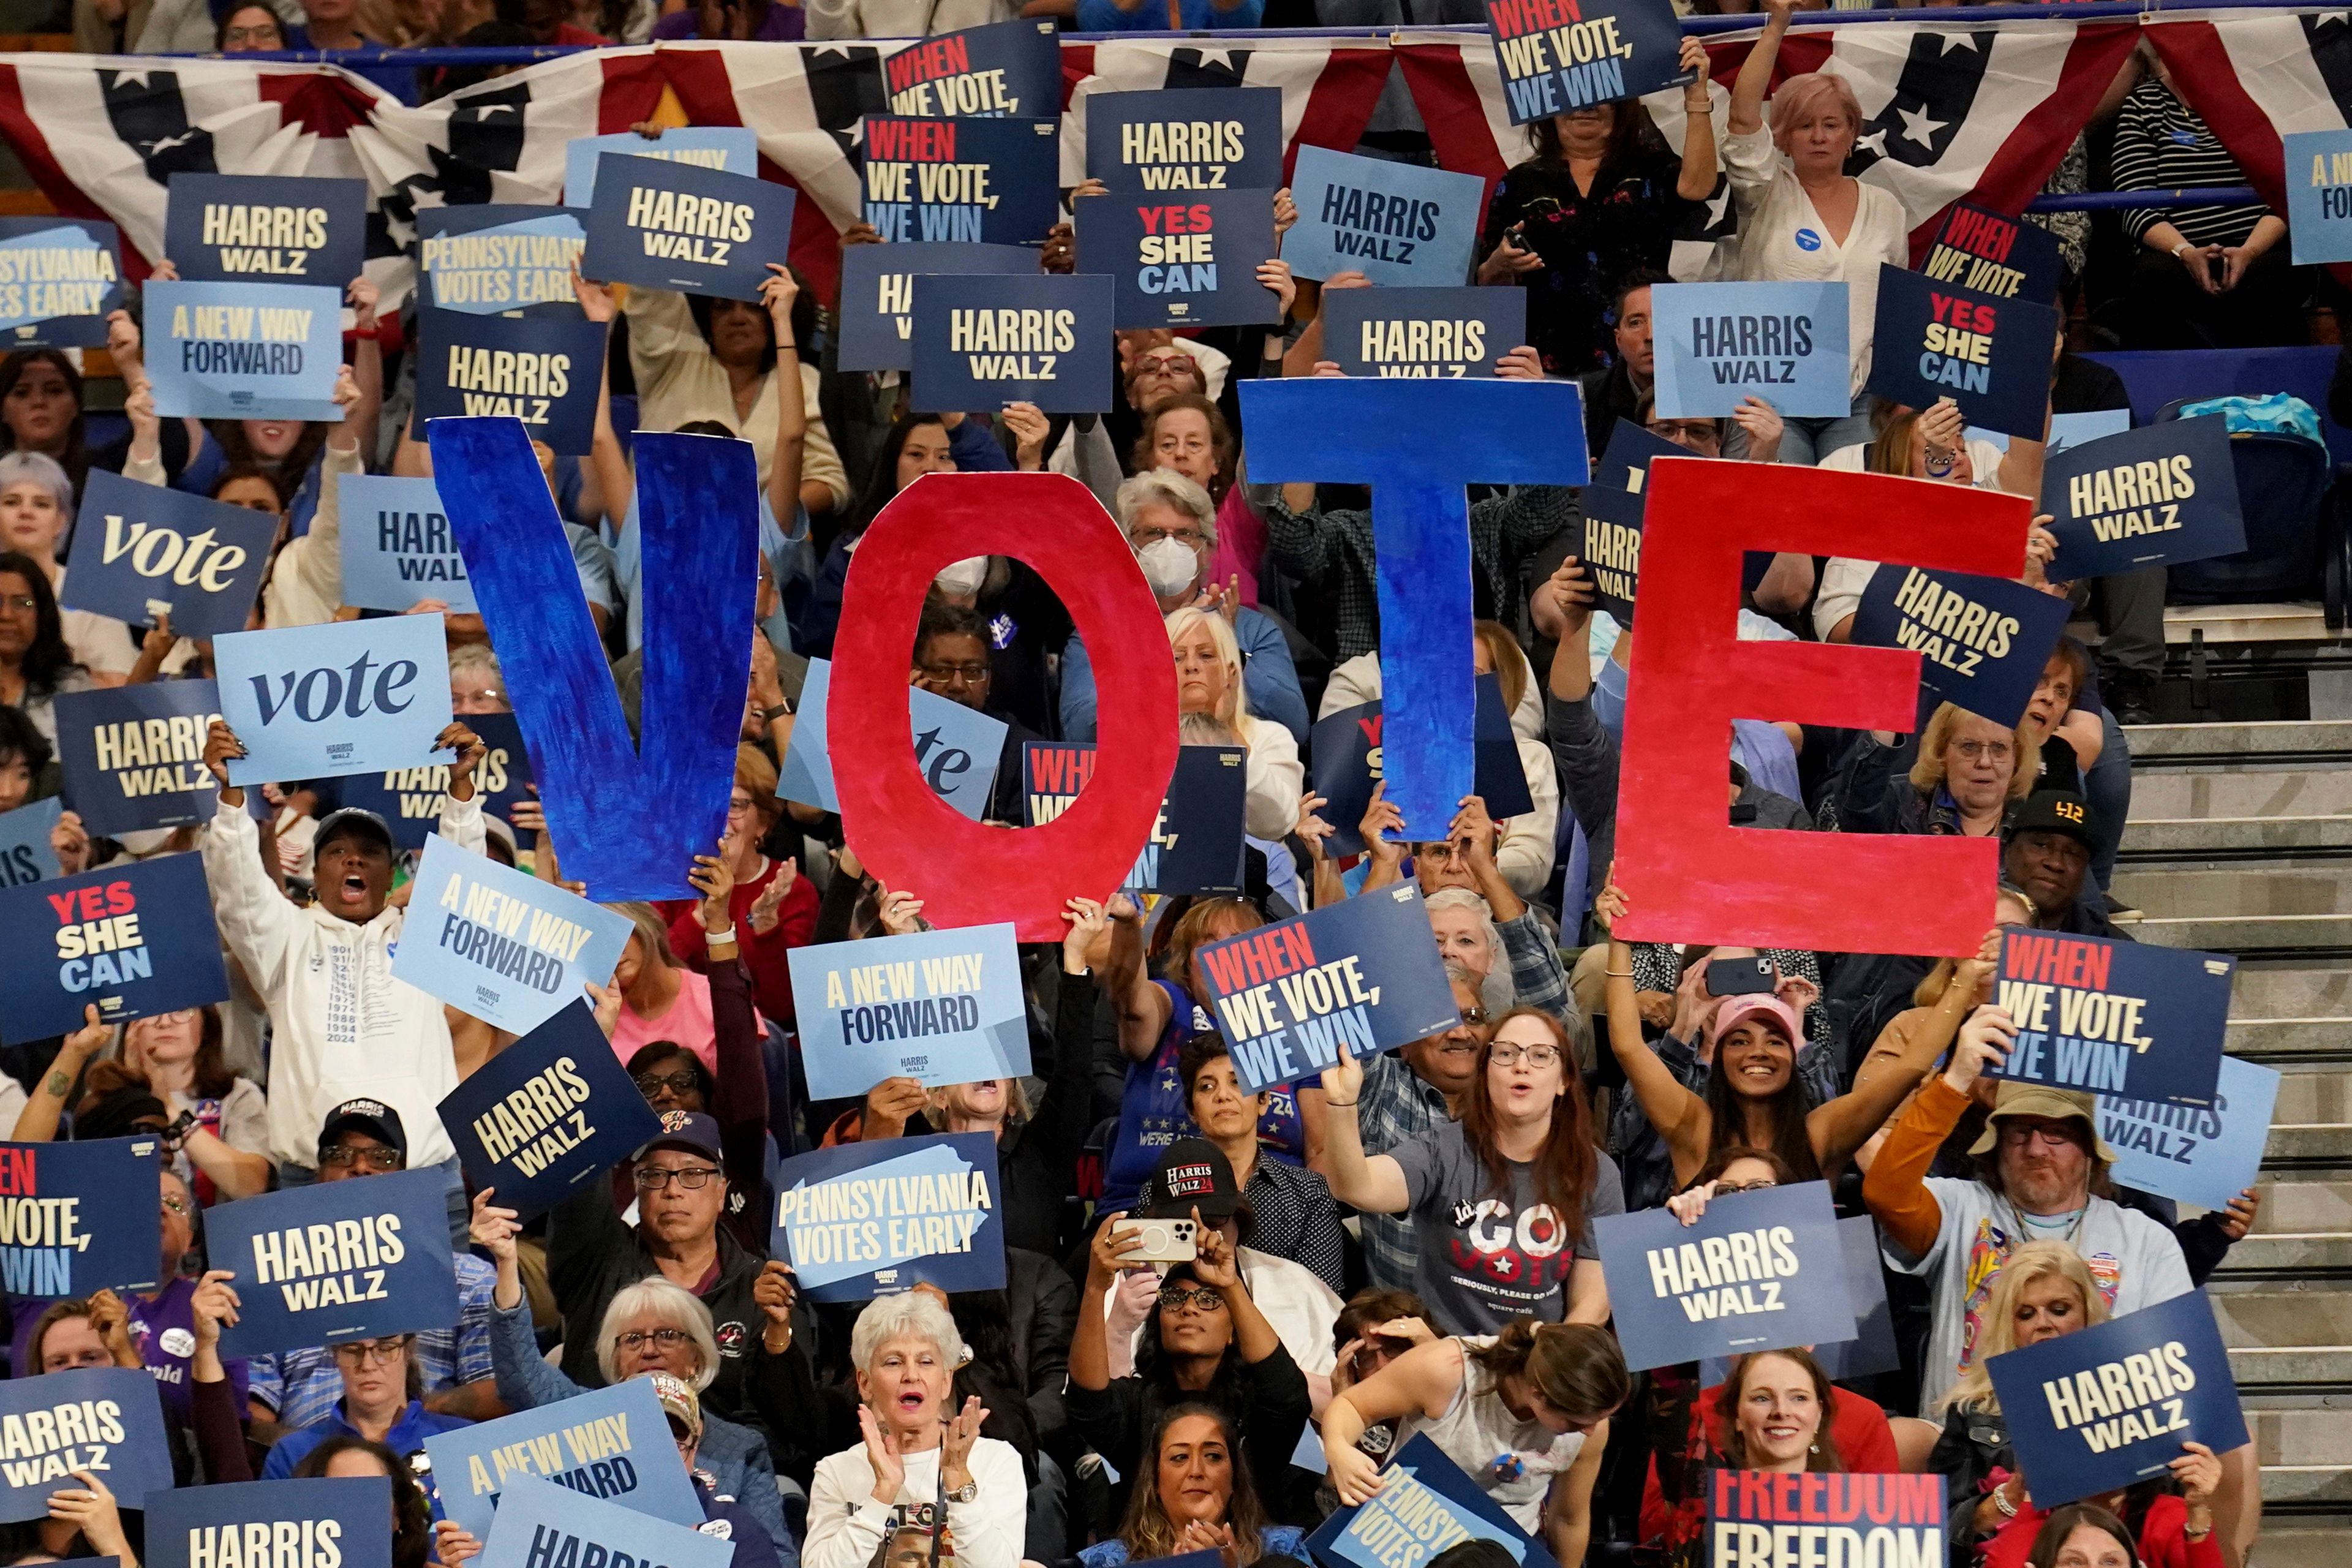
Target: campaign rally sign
x=348, y=697
x=611, y=1444
x=497, y=258
x=2318, y=170
x=548, y=1112
x=982, y=343
x=1345, y=748
x=1984, y=251
x=878, y=291
x=1557, y=56
x=540, y=1523
x=2165, y=492
x=1613, y=550
x=667, y=225
x=1362, y=974
x=64, y=1230
x=941, y=1006
x=2205, y=1155
x=1759, y=1271
x=144, y=551
x=2067, y=431
x=1052, y=774
x=1500, y=776
x=59, y=276
x=1004, y=69
x=1196, y=841
x=251, y=228
x=1989, y=355
x=1186, y=139
x=133, y=940
x=2098, y=1409
x=2114, y=1017
x=1399, y=224
x=1719, y=344
x=245, y=350
x=1625, y=461
x=1981, y=641
x=1432, y=332
x=874, y=1219
x=1182, y=261
x=1872, y=1349
x=540, y=370
x=108, y=1421
x=397, y=547
x=499, y=943
x=1426, y=1506
x=336, y=1260
x=409, y=799
x=734, y=147
x=986, y=181
x=958, y=749
x=25, y=854
x=281, y=1524
x=1754, y=1516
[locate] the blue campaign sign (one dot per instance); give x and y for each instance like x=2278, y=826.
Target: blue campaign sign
x=1625, y=461
x=1759, y=1271
x=133, y=755
x=873, y=1219
x=499, y=943
x=131, y=940
x=941, y=1006
x=336, y=1260
x=397, y=547
x=250, y=229
x=540, y=370
x=1345, y=748
x=1425, y=1505
x=1558, y=56
x=667, y=225
x=1871, y=1350
x=1360, y=974
x=409, y=799
x=1990, y=253
x=540, y=1523
x=142, y=551
x=550, y=1112
x=337, y=1520
x=988, y=181
x=2318, y=170
x=2163, y=493
x=245, y=350
x=982, y=343
x=878, y=291
x=1501, y=777
x=2099, y=1409
x=350, y=697
x=25, y=855
x=1186, y=139
x=1052, y=774
x=1182, y=261
x=733, y=148
x=1981, y=641
x=2114, y=1017
x=1613, y=550
x=1989, y=355
x=2067, y=431
x=1399, y=224
x=1721, y=343
x=979, y=73
x=58, y=278
x=67, y=1231
x=957, y=747
x=108, y=1421
x=611, y=1444
x=1196, y=841
x=495, y=259
x=2205, y=1155
x=1862, y=1518
x=1429, y=332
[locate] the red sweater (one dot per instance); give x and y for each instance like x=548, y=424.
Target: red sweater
x=1858, y=1427
x=2163, y=1539
x=764, y=956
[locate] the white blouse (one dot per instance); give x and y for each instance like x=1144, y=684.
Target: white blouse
x=845, y=1525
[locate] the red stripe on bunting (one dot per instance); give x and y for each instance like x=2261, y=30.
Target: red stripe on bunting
x=707, y=93
x=323, y=102
x=2208, y=79
x=632, y=88
x=1449, y=106
x=1340, y=105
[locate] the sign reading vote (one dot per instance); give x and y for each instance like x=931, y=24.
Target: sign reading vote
x=1753, y=1515
x=1983, y=250
x=2318, y=170
x=336, y=1260
x=409, y=799
x=1989, y=355
x=940, y=1006
x=2200, y=1155
x=734, y=147
x=547, y=1113
x=542, y=371
x=499, y=943
x=671, y=226
x=1004, y=69
x=1426, y=1506
x=1759, y=1271
x=957, y=748
x=1399, y=224
x=2165, y=492
x=58, y=278
x=350, y=696
x=329, y=1522
x=1434, y=332
x=1981, y=641
x=612, y=1444
x=1182, y=261
x=1721, y=343
x=980, y=342
x=131, y=940
x=144, y=551
x=873, y=1219
x=1361, y=974
x=107, y=1421
x=1186, y=139
x=988, y=181
x=25, y=854
x=245, y=350
x=1557, y=56
x=1346, y=747
x=64, y=1229
x=877, y=291
x=2114, y=1017
x=248, y=228
x=496, y=258
x=397, y=547
x=541, y=1524
x=2101, y=1408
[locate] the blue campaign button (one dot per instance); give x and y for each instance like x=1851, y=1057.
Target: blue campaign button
x=1808, y=240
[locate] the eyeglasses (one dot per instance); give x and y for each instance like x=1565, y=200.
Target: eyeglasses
x=1725, y=1189
x=958, y=674
x=1983, y=751
x=678, y=1082
x=176, y=1205
x=381, y=1353
x=1173, y=1296
x=739, y=808
x=1537, y=1056
x=264, y=34
x=693, y=1178
x=2018, y=1137
x=637, y=1339
x=344, y=1154
x=1144, y=538
x=1164, y=364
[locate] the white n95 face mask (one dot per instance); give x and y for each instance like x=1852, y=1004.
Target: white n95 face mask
x=1170, y=565
x=965, y=576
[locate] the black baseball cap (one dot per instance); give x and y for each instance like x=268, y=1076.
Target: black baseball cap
x=372, y=1117
x=2054, y=811
x=1194, y=1173
x=354, y=822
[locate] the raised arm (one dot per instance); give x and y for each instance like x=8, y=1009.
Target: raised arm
x=778, y=292
x=1895, y=1186
x=1106, y=1260
x=1374, y=1184
x=1420, y=1382
x=1699, y=166
x=615, y=486
x=1142, y=1008
x=1755, y=78
x=37, y=1122
x=1839, y=1127
x=1679, y=1116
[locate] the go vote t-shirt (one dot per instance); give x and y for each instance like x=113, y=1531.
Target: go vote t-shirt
x=1484, y=1257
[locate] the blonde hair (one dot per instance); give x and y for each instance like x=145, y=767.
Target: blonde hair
x=1801, y=98
x=652, y=929
x=1181, y=623
x=1927, y=769
x=1997, y=1323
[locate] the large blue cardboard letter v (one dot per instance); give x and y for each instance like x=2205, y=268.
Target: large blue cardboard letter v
x=1417, y=443
x=627, y=819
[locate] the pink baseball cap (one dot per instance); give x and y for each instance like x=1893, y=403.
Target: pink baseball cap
x=1748, y=1004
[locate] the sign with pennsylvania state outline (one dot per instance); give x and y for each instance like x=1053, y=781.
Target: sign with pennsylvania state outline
x=1425, y=1505
x=874, y=1219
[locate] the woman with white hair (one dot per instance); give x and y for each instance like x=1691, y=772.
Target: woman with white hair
x=918, y=1453
x=1464, y=925
x=1210, y=679
x=36, y=507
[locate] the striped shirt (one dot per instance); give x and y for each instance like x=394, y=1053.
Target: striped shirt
x=2163, y=144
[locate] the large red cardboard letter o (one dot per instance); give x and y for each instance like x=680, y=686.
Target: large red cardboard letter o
x=965, y=873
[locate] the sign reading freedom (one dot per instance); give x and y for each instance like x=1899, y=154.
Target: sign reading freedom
x=1754, y=1518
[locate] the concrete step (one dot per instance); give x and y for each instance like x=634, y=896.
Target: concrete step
x=2287, y=1256
x=2238, y=838
x=2296, y=1367
x=2302, y=1206
x=2309, y=1143
x=2282, y=1042
x=2162, y=892
x=2268, y=936
x=2301, y=1436
x=2252, y=790
x=2279, y=739
x=2321, y=1547
x=2314, y=1097
x=2286, y=1319
x=2291, y=991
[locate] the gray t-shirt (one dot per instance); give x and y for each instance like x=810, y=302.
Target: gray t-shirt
x=1484, y=1259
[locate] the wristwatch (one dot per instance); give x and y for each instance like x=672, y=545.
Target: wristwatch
x=964, y=1493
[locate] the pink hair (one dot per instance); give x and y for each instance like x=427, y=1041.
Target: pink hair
x=1801, y=98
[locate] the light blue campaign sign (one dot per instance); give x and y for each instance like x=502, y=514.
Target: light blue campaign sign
x=2204, y=1154
x=957, y=747
x=350, y=696
x=1399, y=224
x=940, y=1007
x=245, y=350
x=612, y=1444
x=499, y=943
x=540, y=1523
x=513, y=263
x=734, y=147
x=2066, y=430
x=1719, y=343
x=1426, y=1506
x=397, y=547
x=58, y=278
x=870, y=1219
x=2318, y=166
x=25, y=852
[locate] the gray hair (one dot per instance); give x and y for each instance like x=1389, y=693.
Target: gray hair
x=667, y=1303
x=1165, y=486
x=910, y=1314
x=1494, y=987
x=474, y=656
x=42, y=469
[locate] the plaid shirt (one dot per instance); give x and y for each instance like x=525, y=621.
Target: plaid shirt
x=303, y=1386
x=1396, y=1106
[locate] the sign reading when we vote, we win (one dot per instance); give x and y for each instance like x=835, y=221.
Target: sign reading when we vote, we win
x=62, y=1229
x=2114, y=1017
x=1557, y=56
x=989, y=181
x=870, y=1219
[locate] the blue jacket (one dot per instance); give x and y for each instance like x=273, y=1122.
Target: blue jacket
x=1268, y=678
x=727, y=1521
x=406, y=1440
